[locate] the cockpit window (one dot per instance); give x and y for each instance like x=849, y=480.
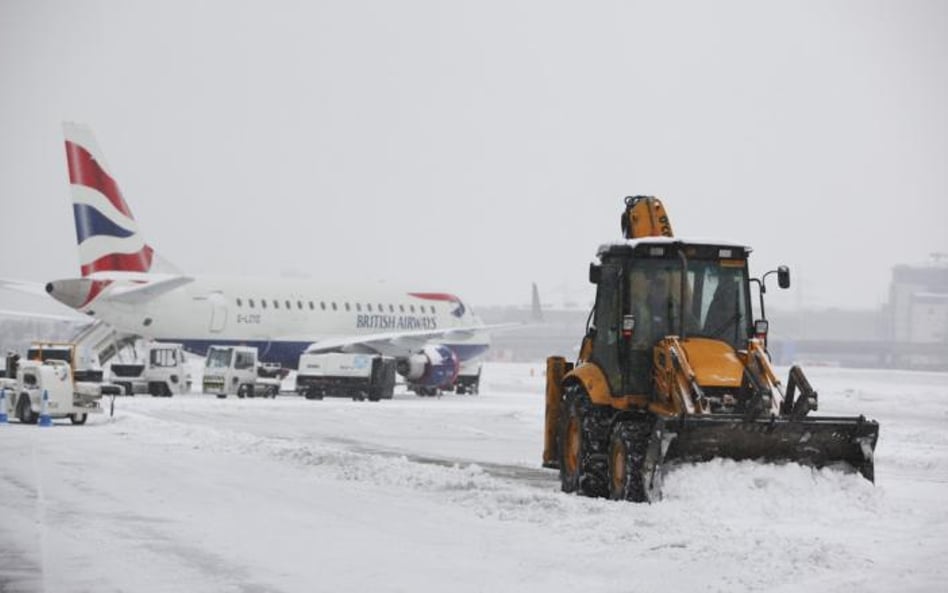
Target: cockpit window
x=715, y=303
x=163, y=357
x=218, y=358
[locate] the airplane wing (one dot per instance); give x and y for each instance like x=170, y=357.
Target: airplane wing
x=407, y=340
x=24, y=286
x=134, y=294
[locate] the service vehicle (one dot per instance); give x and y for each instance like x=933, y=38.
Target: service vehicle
x=236, y=370
x=27, y=382
x=672, y=368
x=469, y=379
x=359, y=376
x=160, y=371
x=82, y=369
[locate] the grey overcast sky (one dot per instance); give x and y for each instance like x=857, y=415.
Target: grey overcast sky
x=478, y=146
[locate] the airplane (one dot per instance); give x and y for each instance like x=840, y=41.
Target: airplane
x=436, y=338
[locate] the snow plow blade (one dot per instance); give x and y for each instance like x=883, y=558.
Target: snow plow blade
x=810, y=441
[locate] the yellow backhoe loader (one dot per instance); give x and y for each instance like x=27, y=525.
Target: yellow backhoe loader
x=673, y=368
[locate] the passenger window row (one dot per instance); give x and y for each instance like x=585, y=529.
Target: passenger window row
x=331, y=305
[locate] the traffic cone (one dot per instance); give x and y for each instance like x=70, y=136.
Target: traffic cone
x=44, y=419
x=3, y=406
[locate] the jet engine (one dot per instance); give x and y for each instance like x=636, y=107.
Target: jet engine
x=433, y=366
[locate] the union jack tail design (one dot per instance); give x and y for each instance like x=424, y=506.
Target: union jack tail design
x=106, y=231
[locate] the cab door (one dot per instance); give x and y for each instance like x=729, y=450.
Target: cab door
x=605, y=352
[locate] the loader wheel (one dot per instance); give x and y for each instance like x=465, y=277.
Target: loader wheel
x=627, y=450
x=78, y=419
x=584, y=443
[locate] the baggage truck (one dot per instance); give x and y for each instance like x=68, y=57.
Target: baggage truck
x=160, y=372
x=236, y=370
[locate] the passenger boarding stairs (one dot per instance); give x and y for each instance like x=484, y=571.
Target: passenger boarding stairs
x=97, y=343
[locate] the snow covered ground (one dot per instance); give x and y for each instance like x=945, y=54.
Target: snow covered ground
x=198, y=494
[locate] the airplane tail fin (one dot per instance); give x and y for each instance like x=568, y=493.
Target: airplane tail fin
x=106, y=232
x=536, y=310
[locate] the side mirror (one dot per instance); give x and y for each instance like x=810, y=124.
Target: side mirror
x=783, y=277
x=595, y=273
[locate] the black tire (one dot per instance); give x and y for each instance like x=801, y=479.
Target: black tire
x=24, y=411
x=628, y=448
x=221, y=396
x=78, y=419
x=242, y=391
x=583, y=439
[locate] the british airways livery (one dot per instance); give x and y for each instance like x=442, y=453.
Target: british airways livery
x=127, y=285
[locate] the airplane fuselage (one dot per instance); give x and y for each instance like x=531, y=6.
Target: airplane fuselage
x=282, y=317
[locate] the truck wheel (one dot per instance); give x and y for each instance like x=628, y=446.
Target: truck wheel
x=221, y=395
x=242, y=391
x=24, y=411
x=78, y=419
x=627, y=452
x=274, y=391
x=584, y=443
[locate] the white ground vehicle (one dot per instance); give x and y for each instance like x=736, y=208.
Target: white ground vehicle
x=160, y=372
x=469, y=379
x=66, y=398
x=236, y=370
x=358, y=376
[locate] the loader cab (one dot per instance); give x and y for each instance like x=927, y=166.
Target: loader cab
x=650, y=289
